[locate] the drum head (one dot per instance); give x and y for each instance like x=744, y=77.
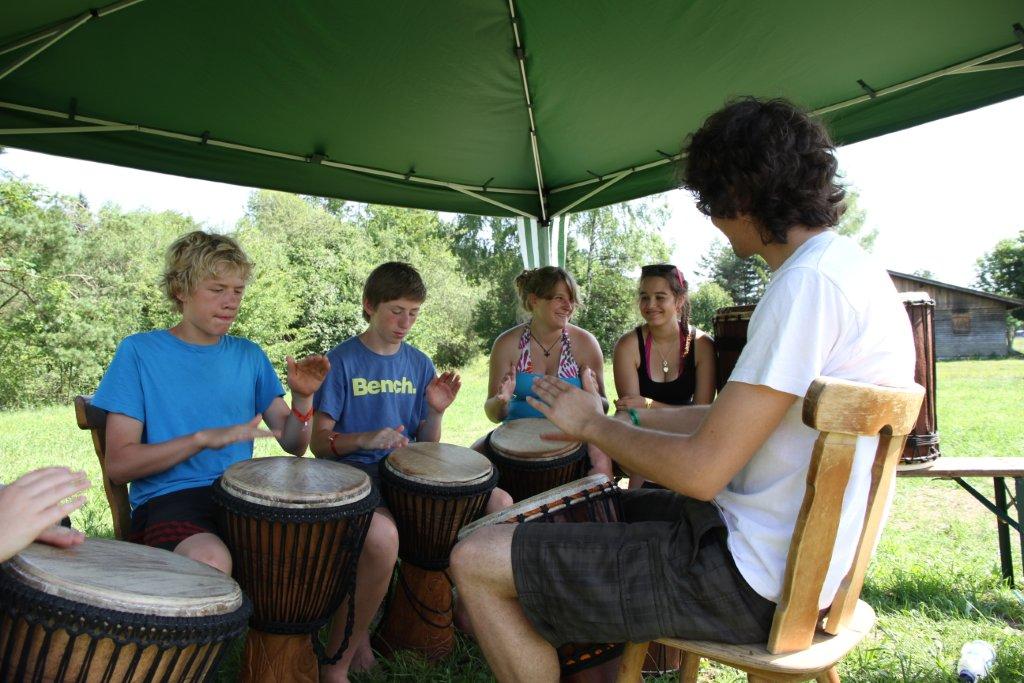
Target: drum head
x=916, y=299
x=531, y=507
x=290, y=482
x=126, y=577
x=521, y=439
x=439, y=464
x=735, y=312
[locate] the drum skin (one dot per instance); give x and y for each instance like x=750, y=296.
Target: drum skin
x=529, y=465
x=432, y=490
x=295, y=527
x=115, y=611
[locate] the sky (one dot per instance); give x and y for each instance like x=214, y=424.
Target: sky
x=941, y=194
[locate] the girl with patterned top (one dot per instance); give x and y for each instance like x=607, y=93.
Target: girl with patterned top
x=546, y=344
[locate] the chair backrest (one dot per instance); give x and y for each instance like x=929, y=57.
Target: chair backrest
x=95, y=420
x=841, y=410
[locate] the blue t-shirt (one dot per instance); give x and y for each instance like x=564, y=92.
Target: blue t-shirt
x=365, y=391
x=175, y=388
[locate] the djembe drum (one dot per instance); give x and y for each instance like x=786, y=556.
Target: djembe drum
x=433, y=490
x=591, y=499
x=114, y=611
x=923, y=442
x=295, y=527
x=528, y=464
x=731, y=325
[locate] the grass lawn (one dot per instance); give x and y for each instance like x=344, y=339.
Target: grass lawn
x=935, y=582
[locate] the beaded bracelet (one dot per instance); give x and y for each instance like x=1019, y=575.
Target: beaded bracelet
x=634, y=417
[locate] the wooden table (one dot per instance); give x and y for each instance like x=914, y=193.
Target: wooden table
x=999, y=469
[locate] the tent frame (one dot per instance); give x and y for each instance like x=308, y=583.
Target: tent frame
x=52, y=34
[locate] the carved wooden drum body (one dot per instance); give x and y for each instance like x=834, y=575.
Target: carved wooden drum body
x=923, y=442
x=295, y=527
x=529, y=465
x=730, y=325
x=433, y=490
x=114, y=611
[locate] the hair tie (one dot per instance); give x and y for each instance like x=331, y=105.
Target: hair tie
x=679, y=276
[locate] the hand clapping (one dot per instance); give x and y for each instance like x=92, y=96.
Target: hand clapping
x=306, y=376
x=441, y=391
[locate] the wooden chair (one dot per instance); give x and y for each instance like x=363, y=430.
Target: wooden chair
x=95, y=420
x=797, y=649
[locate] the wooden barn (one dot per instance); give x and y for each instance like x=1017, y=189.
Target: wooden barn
x=968, y=322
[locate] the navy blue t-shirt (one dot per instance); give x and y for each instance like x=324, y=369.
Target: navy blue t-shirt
x=365, y=391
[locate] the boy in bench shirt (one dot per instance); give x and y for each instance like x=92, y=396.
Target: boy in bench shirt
x=380, y=394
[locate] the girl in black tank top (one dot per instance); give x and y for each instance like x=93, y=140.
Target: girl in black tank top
x=650, y=366
x=677, y=392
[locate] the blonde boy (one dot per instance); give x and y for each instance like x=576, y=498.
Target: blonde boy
x=187, y=402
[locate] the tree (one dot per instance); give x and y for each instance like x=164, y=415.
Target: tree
x=606, y=248
x=705, y=301
x=925, y=273
x=852, y=222
x=1001, y=271
x=743, y=280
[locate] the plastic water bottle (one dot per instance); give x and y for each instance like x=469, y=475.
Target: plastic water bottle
x=976, y=658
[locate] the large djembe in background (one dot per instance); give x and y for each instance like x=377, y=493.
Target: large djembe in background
x=923, y=442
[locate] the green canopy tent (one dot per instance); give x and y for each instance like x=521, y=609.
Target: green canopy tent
x=530, y=108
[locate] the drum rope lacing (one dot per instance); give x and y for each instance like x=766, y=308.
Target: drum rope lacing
x=204, y=635
x=354, y=535
x=448, y=508
x=420, y=607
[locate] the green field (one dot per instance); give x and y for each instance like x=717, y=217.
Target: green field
x=935, y=582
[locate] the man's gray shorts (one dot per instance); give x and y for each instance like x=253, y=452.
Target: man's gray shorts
x=664, y=572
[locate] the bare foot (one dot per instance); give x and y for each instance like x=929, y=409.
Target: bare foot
x=363, y=659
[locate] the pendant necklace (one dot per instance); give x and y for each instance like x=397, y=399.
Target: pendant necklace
x=664, y=361
x=547, y=351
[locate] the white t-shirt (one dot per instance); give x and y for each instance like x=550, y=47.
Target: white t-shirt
x=831, y=311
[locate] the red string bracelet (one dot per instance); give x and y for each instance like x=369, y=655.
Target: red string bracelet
x=304, y=418
x=330, y=442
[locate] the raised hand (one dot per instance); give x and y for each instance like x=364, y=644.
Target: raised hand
x=32, y=504
x=385, y=439
x=570, y=408
x=306, y=376
x=441, y=391
x=507, y=388
x=225, y=436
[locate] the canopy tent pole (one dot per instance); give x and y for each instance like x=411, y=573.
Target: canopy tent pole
x=612, y=181
x=970, y=66
x=42, y=34
x=520, y=53
x=948, y=71
x=63, y=31
x=990, y=67
x=484, y=198
x=67, y=129
x=542, y=245
x=104, y=125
